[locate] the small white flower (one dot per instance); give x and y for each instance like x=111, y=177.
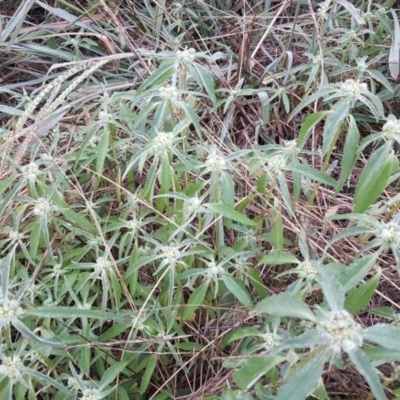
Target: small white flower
x=271, y=340
x=102, y=265
x=354, y=87
x=57, y=269
x=186, y=56
x=215, y=162
x=194, y=205
x=162, y=142
x=341, y=332
x=352, y=35
x=317, y=60
x=91, y=394
x=43, y=207
x=15, y=235
x=306, y=270
x=93, y=142
x=168, y=93
x=389, y=233
x=392, y=129
x=10, y=311
x=171, y=254
x=132, y=225
x=214, y=270
x=30, y=172
x=276, y=163
x=11, y=367
x=323, y=8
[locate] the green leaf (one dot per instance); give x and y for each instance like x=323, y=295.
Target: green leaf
x=349, y=153
x=378, y=76
x=227, y=190
x=102, y=150
x=206, y=80
x=144, y=384
x=301, y=384
x=385, y=335
x=241, y=333
x=22, y=328
x=373, y=179
x=113, y=372
x=69, y=312
x=332, y=125
x=384, y=311
x=332, y=289
x=276, y=236
x=230, y=213
x=237, y=290
x=278, y=258
x=264, y=100
x=158, y=77
x=316, y=175
x=284, y=305
x=195, y=300
x=353, y=274
x=253, y=369
x=308, y=124
x=381, y=354
x=363, y=366
x=257, y=283
x=394, y=55
x=359, y=298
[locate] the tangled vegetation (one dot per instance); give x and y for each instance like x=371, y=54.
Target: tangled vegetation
x=199, y=200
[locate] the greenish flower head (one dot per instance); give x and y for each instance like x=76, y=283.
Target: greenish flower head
x=391, y=129
x=11, y=368
x=390, y=233
x=185, y=56
x=30, y=172
x=91, y=394
x=10, y=311
x=169, y=93
x=353, y=87
x=271, y=340
x=340, y=332
x=306, y=270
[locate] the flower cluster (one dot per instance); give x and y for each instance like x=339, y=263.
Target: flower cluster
x=340, y=332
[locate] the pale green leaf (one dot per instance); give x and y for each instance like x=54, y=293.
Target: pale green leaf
x=349, y=153
x=253, y=369
x=195, y=300
x=332, y=125
x=278, y=258
x=359, y=298
x=230, y=213
x=237, y=290
x=385, y=335
x=373, y=179
x=284, y=305
x=301, y=384
x=363, y=366
x=394, y=55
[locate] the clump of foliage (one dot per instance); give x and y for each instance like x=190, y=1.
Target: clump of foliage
x=199, y=200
